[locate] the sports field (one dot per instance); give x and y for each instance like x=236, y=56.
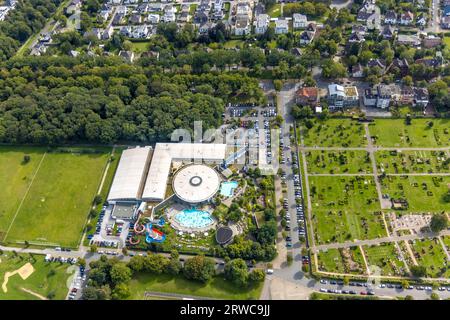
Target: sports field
x=46, y=281
x=50, y=196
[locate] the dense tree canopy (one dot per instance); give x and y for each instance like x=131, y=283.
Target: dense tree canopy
x=54, y=100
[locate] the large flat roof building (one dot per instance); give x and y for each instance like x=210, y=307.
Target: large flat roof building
x=165, y=153
x=130, y=176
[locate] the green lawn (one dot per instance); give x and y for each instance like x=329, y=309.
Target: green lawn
x=139, y=46
x=218, y=288
x=395, y=133
x=429, y=253
x=15, y=177
x=335, y=162
x=56, y=206
x=334, y=133
x=345, y=208
x=412, y=161
x=385, y=257
x=275, y=11
x=231, y=44
x=423, y=193
x=47, y=278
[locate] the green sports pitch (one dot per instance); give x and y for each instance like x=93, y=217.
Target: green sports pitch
x=47, y=193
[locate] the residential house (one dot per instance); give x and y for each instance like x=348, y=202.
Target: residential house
x=406, y=18
x=107, y=34
x=153, y=18
x=281, y=26
x=390, y=17
x=401, y=64
x=421, y=20
x=259, y=9
x=94, y=33
x=356, y=37
x=307, y=96
x=127, y=55
x=118, y=19
x=299, y=21
x=379, y=96
x=184, y=17
x=73, y=6
x=262, y=23
x=200, y=18
x=429, y=62
x=242, y=25
x=372, y=63
x=307, y=36
x=421, y=97
x=388, y=32
x=407, y=39
x=340, y=96
x=204, y=28
x=357, y=71
x=407, y=95
x=445, y=22
x=169, y=16
x=431, y=41
x=135, y=19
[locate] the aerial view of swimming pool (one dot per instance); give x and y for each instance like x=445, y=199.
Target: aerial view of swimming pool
x=194, y=218
x=227, y=188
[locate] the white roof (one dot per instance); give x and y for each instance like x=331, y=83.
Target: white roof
x=165, y=153
x=336, y=89
x=196, y=183
x=130, y=174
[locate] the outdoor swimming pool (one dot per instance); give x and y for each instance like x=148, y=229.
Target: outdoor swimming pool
x=194, y=218
x=227, y=188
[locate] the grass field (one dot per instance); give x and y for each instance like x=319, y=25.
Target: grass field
x=345, y=208
x=395, y=133
x=334, y=133
x=52, y=201
x=218, y=288
x=335, y=162
x=412, y=161
x=15, y=176
x=430, y=254
x=385, y=257
x=48, y=279
x=423, y=193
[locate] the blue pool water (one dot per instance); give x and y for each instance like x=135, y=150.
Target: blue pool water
x=227, y=188
x=194, y=218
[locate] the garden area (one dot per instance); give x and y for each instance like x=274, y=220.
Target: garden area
x=348, y=260
x=426, y=133
x=336, y=162
x=419, y=161
x=386, y=257
x=422, y=193
x=345, y=208
x=431, y=255
x=334, y=133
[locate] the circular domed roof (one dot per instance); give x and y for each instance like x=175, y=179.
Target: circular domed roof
x=196, y=183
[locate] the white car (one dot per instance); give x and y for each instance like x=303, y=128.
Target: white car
x=269, y=271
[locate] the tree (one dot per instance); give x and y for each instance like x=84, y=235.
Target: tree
x=257, y=275
x=438, y=222
x=278, y=84
x=98, y=199
x=93, y=248
x=434, y=296
x=174, y=266
x=120, y=273
x=409, y=297
x=120, y=292
x=26, y=159
x=199, y=268
x=405, y=284
x=236, y=271
x=418, y=271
